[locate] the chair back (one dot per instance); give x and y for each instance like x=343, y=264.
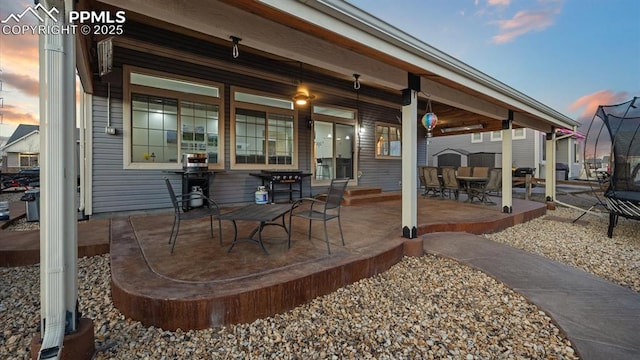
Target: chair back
x=431, y=176
x=172, y=194
x=423, y=181
x=449, y=178
x=495, y=180
x=463, y=171
x=335, y=193
x=481, y=171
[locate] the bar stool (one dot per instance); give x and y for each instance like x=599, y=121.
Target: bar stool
x=322, y=170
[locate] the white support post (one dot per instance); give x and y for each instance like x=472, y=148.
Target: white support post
x=550, y=167
x=507, y=161
x=409, y=164
x=58, y=224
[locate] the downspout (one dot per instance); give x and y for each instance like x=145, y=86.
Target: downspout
x=82, y=156
x=58, y=234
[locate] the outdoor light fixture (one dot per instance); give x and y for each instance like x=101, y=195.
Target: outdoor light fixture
x=429, y=120
x=301, y=98
x=462, y=128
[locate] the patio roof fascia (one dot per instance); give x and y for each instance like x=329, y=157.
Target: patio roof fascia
x=384, y=37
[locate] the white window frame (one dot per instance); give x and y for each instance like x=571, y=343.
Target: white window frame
x=390, y=126
x=476, y=140
x=515, y=136
x=496, y=135
x=129, y=88
x=267, y=109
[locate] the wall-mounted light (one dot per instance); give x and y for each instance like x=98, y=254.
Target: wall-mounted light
x=462, y=128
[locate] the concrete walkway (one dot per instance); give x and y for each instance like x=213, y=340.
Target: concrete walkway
x=600, y=318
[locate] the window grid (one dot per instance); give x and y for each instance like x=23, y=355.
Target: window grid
x=154, y=123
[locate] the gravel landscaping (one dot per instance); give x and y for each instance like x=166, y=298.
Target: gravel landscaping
x=425, y=307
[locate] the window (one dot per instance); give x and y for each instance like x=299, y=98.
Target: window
x=576, y=151
x=496, y=135
x=169, y=116
x=28, y=160
x=264, y=132
x=476, y=137
x=388, y=141
x=519, y=134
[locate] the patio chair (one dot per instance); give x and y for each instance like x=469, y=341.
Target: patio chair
x=432, y=182
x=494, y=184
x=209, y=209
x=463, y=171
x=480, y=171
x=322, y=210
x=450, y=182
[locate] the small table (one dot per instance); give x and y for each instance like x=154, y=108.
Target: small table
x=474, y=187
x=266, y=214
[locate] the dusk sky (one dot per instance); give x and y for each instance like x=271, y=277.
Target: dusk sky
x=571, y=55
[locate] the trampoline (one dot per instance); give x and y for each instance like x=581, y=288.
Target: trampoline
x=621, y=142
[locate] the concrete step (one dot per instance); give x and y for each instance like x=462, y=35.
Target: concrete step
x=361, y=190
x=371, y=198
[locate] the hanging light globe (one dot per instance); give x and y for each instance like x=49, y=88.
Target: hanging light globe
x=429, y=121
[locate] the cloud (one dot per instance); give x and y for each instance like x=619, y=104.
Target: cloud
x=589, y=103
x=499, y=2
x=13, y=115
x=524, y=22
x=24, y=83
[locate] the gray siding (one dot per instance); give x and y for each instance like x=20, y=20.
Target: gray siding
x=116, y=189
x=523, y=149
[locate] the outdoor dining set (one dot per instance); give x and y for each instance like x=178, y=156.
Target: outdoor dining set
x=322, y=207
x=447, y=182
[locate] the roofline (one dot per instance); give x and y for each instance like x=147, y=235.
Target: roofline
x=19, y=139
x=410, y=45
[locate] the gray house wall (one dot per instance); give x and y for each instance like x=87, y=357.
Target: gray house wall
x=118, y=189
x=523, y=149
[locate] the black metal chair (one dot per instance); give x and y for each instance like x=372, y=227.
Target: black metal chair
x=209, y=209
x=323, y=210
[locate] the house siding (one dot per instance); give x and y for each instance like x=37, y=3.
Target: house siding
x=118, y=189
x=522, y=149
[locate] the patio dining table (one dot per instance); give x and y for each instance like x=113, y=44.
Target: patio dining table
x=265, y=214
x=475, y=187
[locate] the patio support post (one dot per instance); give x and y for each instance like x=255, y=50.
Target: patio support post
x=507, y=161
x=550, y=167
x=410, y=158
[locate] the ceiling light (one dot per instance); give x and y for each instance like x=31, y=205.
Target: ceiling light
x=462, y=128
x=302, y=99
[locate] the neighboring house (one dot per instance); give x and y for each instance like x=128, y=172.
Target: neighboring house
x=224, y=78
x=485, y=149
x=22, y=149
